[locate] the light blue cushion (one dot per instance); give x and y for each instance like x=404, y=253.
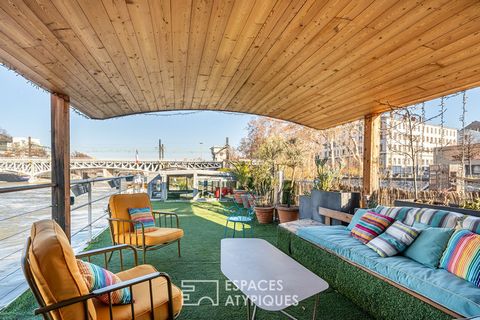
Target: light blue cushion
x=356, y=218
x=438, y=285
x=420, y=226
x=429, y=246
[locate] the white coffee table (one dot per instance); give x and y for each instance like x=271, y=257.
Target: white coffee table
x=269, y=278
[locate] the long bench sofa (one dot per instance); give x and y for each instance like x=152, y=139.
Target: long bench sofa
x=394, y=287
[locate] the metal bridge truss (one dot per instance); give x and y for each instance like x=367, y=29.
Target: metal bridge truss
x=36, y=167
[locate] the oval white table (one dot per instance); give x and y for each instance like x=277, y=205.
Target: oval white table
x=269, y=278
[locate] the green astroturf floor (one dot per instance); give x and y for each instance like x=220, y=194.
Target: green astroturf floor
x=203, y=224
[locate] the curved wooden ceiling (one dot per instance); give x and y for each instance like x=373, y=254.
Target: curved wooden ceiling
x=317, y=63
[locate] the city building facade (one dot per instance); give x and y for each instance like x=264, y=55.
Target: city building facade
x=405, y=140
x=401, y=141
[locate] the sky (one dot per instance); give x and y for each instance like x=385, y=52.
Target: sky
x=25, y=111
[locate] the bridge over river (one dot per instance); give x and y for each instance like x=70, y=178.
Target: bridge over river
x=37, y=167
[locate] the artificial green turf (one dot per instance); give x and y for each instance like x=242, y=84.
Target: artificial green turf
x=203, y=224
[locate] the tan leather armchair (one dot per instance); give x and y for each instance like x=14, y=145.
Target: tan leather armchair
x=51, y=270
x=167, y=230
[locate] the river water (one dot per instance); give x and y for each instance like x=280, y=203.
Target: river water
x=18, y=210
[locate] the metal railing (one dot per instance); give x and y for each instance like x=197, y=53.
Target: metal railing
x=13, y=242
x=88, y=183
x=26, y=187
x=90, y=201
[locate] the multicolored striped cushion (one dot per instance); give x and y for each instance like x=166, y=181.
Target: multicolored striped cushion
x=143, y=215
x=462, y=256
x=397, y=213
x=471, y=223
x=97, y=277
x=434, y=218
x=371, y=224
x=394, y=240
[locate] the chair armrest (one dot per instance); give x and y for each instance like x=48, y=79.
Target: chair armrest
x=166, y=214
x=108, y=290
x=111, y=249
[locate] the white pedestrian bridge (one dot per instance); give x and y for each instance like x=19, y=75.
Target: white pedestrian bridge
x=36, y=167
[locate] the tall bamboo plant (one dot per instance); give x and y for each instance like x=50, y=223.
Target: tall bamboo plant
x=242, y=172
x=270, y=153
x=293, y=159
x=263, y=183
x=325, y=175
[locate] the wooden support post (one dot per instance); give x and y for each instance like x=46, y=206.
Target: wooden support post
x=371, y=146
x=60, y=130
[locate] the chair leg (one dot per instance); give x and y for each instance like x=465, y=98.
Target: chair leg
x=110, y=258
x=225, y=231
x=144, y=256
x=243, y=229
x=178, y=244
x=234, y=228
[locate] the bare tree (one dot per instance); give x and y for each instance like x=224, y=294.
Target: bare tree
x=470, y=150
x=408, y=137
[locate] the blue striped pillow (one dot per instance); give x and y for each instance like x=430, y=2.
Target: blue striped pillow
x=398, y=213
x=143, y=215
x=471, y=223
x=436, y=218
x=97, y=278
x=394, y=240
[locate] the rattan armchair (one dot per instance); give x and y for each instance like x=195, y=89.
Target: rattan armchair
x=50, y=268
x=122, y=229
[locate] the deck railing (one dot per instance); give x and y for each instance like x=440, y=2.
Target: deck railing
x=15, y=227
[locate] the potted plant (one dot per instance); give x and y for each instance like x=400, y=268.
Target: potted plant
x=241, y=171
x=265, y=176
x=263, y=183
x=287, y=210
x=324, y=195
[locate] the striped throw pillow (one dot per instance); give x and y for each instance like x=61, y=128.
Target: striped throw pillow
x=97, y=277
x=471, y=223
x=435, y=218
x=394, y=240
x=143, y=215
x=462, y=256
x=371, y=224
x=398, y=213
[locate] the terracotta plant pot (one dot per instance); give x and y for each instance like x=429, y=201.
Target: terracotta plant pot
x=287, y=214
x=237, y=196
x=264, y=214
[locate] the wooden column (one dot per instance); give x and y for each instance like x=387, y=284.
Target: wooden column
x=60, y=129
x=371, y=148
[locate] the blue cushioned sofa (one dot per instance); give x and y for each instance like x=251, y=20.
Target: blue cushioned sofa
x=393, y=287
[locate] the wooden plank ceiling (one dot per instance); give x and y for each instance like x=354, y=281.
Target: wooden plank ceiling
x=317, y=63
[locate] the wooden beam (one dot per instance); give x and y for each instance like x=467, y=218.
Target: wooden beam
x=371, y=146
x=60, y=128
x=334, y=214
